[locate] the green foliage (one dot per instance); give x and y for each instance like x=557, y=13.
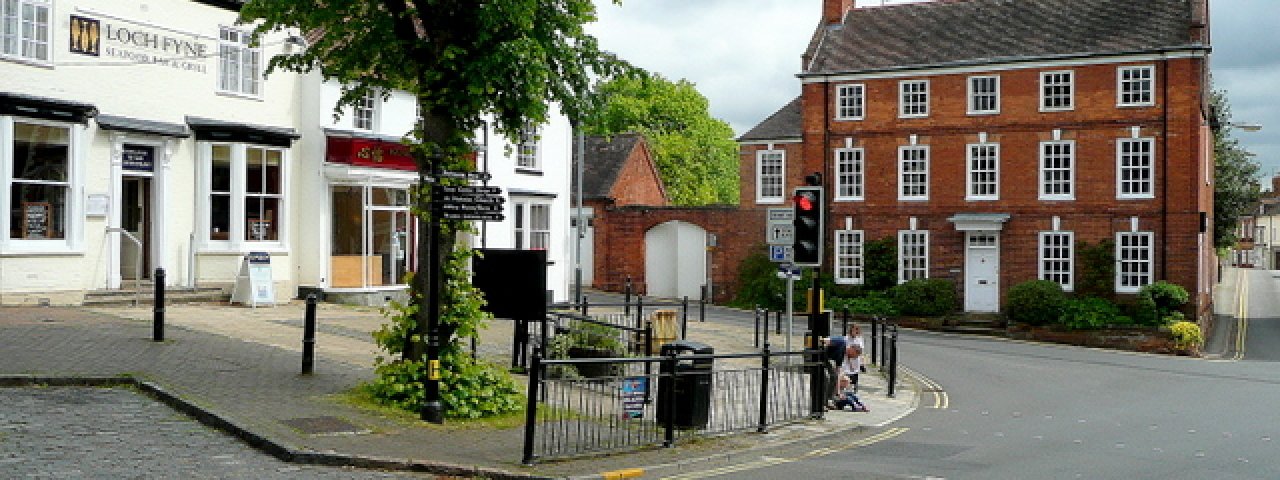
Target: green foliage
x=1186, y=335
x=880, y=263
x=869, y=303
x=1167, y=298
x=924, y=296
x=1097, y=269
x=585, y=340
x=696, y=155
x=1091, y=313
x=469, y=389
x=1037, y=302
x=1143, y=310
x=462, y=61
x=758, y=283
x=1235, y=187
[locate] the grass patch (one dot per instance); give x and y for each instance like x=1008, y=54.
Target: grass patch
x=360, y=399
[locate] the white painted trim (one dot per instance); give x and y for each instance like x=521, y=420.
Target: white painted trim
x=969, y=96
x=859, y=159
x=1150, y=259
x=861, y=96
x=902, y=100
x=77, y=152
x=968, y=164
x=1071, y=83
x=901, y=235
x=1002, y=66
x=901, y=173
x=1120, y=86
x=761, y=199
x=1040, y=180
x=859, y=246
x=1071, y=257
x=1151, y=181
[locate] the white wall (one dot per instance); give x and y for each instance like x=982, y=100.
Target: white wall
x=122, y=86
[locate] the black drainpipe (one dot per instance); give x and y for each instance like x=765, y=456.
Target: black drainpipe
x=1164, y=160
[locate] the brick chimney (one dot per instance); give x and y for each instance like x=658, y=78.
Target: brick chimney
x=833, y=10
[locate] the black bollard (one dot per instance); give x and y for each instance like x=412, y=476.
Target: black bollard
x=157, y=309
x=309, y=336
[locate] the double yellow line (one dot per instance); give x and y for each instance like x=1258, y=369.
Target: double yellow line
x=766, y=462
x=940, y=399
x=1242, y=312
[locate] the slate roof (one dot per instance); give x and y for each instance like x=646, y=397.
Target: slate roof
x=784, y=124
x=967, y=32
x=605, y=157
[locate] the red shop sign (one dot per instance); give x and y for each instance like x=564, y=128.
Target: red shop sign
x=369, y=153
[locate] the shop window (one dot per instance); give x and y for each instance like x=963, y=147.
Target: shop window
x=39, y=183
x=372, y=239
x=246, y=192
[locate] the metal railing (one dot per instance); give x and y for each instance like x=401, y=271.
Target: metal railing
x=695, y=395
x=137, y=276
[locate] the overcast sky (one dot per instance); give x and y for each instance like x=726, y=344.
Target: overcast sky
x=744, y=54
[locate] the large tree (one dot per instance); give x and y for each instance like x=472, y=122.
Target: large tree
x=463, y=60
x=696, y=154
x=1235, y=188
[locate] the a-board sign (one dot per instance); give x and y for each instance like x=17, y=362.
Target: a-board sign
x=253, y=284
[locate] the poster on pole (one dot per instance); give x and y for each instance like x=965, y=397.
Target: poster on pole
x=633, y=395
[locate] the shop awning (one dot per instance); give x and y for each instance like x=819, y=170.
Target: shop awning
x=147, y=127
x=227, y=131
x=45, y=108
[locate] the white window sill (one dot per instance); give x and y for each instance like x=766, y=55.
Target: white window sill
x=1135, y=197
x=1058, y=199
x=769, y=201
x=982, y=112
x=1056, y=109
x=27, y=61
x=981, y=199
x=850, y=199
x=244, y=96
x=849, y=119
x=848, y=281
x=1135, y=105
x=41, y=252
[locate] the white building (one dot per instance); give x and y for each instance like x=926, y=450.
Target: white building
x=153, y=118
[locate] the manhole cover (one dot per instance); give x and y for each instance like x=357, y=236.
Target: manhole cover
x=324, y=426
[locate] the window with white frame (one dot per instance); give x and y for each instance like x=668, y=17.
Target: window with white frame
x=913, y=98
x=984, y=94
x=246, y=192
x=1057, y=90
x=1057, y=170
x=1135, y=168
x=849, y=266
x=1135, y=86
x=1133, y=258
x=532, y=225
x=913, y=173
x=240, y=63
x=850, y=176
x=850, y=101
x=1056, y=258
x=770, y=165
x=366, y=111
x=527, y=150
x=913, y=255
x=984, y=171
x=24, y=29
x=38, y=183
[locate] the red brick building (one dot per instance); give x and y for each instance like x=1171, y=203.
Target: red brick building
x=991, y=138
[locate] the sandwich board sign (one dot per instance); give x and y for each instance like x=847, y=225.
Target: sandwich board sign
x=253, y=284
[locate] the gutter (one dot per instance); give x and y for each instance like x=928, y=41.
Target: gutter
x=1190, y=48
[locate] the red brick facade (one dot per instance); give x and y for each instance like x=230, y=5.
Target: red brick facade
x=1176, y=214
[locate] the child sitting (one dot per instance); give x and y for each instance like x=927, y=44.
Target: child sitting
x=849, y=399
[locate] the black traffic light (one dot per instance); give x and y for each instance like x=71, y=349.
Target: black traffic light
x=808, y=206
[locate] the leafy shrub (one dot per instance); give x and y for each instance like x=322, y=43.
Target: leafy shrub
x=870, y=303
x=758, y=283
x=1186, y=335
x=880, y=264
x=1037, y=302
x=1097, y=269
x=468, y=388
x=925, y=297
x=1090, y=313
x=1167, y=297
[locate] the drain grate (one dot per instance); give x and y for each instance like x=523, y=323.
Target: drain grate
x=324, y=426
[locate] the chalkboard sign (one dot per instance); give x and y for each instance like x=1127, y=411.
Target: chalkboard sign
x=138, y=158
x=35, y=219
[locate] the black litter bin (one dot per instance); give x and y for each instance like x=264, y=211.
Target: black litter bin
x=687, y=393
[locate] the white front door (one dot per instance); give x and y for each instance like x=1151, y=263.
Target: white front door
x=982, y=272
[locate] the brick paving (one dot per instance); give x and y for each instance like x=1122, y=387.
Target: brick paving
x=243, y=365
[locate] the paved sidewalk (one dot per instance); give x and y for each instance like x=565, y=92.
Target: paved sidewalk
x=243, y=365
